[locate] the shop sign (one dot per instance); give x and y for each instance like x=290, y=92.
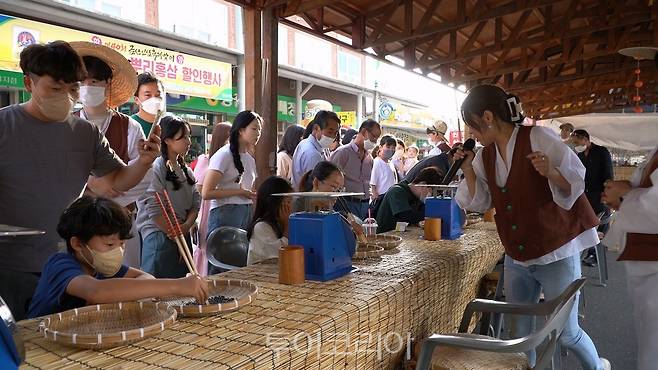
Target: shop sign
x=180, y=73
x=386, y=111
x=347, y=118
x=11, y=79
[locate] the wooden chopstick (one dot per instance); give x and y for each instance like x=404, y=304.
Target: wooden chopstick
x=181, y=247
x=180, y=231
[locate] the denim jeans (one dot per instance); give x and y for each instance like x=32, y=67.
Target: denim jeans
x=524, y=284
x=236, y=215
x=161, y=258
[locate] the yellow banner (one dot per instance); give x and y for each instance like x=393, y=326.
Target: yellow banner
x=180, y=73
x=347, y=118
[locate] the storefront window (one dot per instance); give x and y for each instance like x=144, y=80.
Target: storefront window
x=312, y=54
x=129, y=10
x=203, y=20
x=349, y=68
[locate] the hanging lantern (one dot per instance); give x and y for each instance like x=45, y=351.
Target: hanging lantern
x=639, y=53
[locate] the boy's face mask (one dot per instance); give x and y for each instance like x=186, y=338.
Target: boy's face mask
x=106, y=263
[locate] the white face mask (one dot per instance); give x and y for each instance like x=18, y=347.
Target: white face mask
x=92, y=96
x=580, y=148
x=326, y=141
x=153, y=105
x=369, y=145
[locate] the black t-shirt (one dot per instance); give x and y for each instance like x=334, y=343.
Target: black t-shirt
x=399, y=204
x=598, y=166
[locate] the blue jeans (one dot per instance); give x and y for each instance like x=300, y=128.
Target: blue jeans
x=359, y=209
x=235, y=215
x=161, y=258
x=524, y=284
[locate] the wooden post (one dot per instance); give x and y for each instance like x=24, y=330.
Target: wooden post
x=253, y=59
x=266, y=148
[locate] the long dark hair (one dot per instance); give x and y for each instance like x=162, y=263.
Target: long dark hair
x=291, y=139
x=506, y=107
x=321, y=171
x=220, y=134
x=171, y=125
x=241, y=121
x=267, y=206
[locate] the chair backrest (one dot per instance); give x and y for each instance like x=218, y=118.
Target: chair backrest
x=227, y=247
x=555, y=323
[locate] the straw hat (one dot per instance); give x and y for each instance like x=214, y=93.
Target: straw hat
x=440, y=128
x=124, y=77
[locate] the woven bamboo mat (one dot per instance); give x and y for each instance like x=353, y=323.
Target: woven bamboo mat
x=360, y=321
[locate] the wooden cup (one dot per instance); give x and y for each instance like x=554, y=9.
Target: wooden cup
x=291, y=265
x=432, y=229
x=489, y=215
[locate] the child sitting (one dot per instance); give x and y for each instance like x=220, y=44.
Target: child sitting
x=92, y=271
x=268, y=230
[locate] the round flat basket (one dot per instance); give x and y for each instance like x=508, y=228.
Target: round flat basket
x=367, y=252
x=387, y=242
x=225, y=295
x=108, y=325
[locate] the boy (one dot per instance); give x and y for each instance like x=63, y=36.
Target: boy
x=91, y=272
x=383, y=174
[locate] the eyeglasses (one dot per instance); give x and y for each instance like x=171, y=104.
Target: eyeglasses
x=335, y=188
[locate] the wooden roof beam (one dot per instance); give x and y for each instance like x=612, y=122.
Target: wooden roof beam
x=508, y=8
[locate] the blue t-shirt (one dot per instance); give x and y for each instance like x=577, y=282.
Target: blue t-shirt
x=50, y=296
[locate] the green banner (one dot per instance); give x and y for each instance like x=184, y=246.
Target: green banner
x=11, y=79
x=285, y=106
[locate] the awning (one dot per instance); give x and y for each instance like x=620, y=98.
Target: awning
x=627, y=131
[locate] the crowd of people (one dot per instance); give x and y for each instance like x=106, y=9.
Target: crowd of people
x=103, y=169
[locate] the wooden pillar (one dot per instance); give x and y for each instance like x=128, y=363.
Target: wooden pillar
x=261, y=62
x=253, y=59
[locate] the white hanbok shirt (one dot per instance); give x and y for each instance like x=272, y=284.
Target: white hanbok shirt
x=546, y=141
x=638, y=213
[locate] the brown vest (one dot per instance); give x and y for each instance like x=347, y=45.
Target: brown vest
x=642, y=247
x=530, y=224
x=117, y=134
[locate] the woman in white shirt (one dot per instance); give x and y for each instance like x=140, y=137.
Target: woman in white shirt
x=230, y=177
x=544, y=220
x=269, y=229
x=289, y=142
x=220, y=134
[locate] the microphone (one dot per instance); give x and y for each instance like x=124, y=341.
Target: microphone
x=468, y=145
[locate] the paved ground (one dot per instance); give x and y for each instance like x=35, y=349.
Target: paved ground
x=608, y=318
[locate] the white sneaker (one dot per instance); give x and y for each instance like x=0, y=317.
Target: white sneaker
x=605, y=364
